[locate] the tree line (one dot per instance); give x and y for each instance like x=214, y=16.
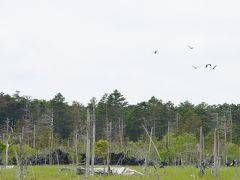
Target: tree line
x=58, y=123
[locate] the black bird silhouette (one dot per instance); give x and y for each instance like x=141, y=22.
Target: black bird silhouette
x=155, y=52
x=195, y=67
x=190, y=47
x=208, y=65
x=214, y=67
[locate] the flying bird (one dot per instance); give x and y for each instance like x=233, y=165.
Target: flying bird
x=155, y=52
x=214, y=67
x=195, y=67
x=190, y=47
x=208, y=65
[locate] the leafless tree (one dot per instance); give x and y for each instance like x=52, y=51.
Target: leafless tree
x=93, y=100
x=87, y=144
x=216, y=154
x=9, y=131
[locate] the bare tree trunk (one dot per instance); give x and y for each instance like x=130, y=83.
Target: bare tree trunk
x=168, y=136
x=51, y=141
x=201, y=153
x=216, y=154
x=109, y=140
x=76, y=146
x=8, y=135
x=201, y=150
x=93, y=135
x=20, y=158
x=230, y=124
x=6, y=155
x=225, y=142
x=87, y=145
x=7, y=145
x=203, y=146
x=109, y=134
x=121, y=132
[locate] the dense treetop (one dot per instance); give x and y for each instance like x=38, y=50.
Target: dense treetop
x=154, y=113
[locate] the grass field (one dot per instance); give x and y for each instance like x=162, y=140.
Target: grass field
x=167, y=173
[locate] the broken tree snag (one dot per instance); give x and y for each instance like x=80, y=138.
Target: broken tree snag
x=121, y=127
x=216, y=154
x=201, y=164
x=109, y=133
x=7, y=142
x=109, y=140
x=225, y=142
x=93, y=134
x=87, y=144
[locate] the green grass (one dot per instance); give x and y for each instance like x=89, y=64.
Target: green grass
x=167, y=173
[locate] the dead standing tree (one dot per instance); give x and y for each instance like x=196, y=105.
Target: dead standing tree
x=201, y=146
x=109, y=139
x=201, y=153
x=47, y=121
x=75, y=142
x=87, y=164
x=28, y=124
x=216, y=155
x=9, y=132
x=93, y=134
x=20, y=157
x=121, y=128
x=225, y=142
x=51, y=140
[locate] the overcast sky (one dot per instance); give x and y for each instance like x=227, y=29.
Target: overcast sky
x=85, y=48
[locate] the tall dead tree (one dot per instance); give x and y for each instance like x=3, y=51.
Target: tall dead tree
x=9, y=131
x=28, y=123
x=109, y=139
x=87, y=145
x=75, y=141
x=225, y=142
x=20, y=157
x=168, y=135
x=201, y=153
x=201, y=146
x=230, y=118
x=120, y=122
x=51, y=139
x=93, y=134
x=216, y=154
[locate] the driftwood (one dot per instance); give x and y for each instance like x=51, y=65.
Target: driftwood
x=102, y=170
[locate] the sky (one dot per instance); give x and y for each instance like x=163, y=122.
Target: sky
x=84, y=49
